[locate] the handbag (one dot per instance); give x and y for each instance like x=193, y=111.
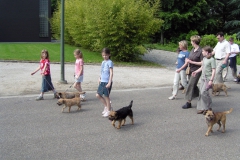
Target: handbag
x=188, y=70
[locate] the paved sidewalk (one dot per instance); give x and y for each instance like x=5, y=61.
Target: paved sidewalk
x=16, y=78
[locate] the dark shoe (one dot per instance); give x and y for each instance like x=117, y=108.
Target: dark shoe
x=200, y=111
x=181, y=88
x=187, y=105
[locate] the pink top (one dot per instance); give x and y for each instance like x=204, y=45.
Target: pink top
x=42, y=64
x=78, y=66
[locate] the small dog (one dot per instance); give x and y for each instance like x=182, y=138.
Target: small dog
x=238, y=79
x=69, y=103
x=120, y=115
x=68, y=95
x=219, y=87
x=218, y=117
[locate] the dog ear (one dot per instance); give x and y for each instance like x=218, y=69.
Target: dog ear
x=210, y=109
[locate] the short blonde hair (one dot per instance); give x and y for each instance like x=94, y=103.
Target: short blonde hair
x=196, y=39
x=184, y=44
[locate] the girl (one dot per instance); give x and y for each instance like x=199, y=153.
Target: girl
x=78, y=71
x=46, y=76
x=182, y=74
x=208, y=72
x=105, y=82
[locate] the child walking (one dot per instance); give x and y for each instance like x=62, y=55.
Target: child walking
x=105, y=82
x=180, y=75
x=46, y=75
x=208, y=69
x=78, y=75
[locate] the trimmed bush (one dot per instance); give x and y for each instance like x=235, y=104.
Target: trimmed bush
x=121, y=25
x=208, y=40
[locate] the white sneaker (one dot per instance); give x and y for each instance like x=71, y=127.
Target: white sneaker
x=106, y=114
x=235, y=80
x=172, y=97
x=105, y=110
x=82, y=97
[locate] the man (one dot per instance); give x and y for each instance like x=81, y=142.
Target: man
x=221, y=52
x=233, y=58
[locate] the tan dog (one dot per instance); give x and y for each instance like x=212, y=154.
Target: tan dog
x=68, y=95
x=69, y=103
x=218, y=88
x=218, y=117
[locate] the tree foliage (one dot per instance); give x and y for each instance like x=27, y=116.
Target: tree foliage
x=121, y=25
x=204, y=16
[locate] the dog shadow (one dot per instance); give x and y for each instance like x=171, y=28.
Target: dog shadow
x=74, y=111
x=127, y=126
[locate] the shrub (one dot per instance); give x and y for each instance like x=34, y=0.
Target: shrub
x=121, y=25
x=208, y=40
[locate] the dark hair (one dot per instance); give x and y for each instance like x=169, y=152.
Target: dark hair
x=209, y=50
x=46, y=52
x=231, y=39
x=221, y=34
x=106, y=51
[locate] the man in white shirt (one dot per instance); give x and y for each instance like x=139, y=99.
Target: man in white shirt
x=233, y=58
x=221, y=52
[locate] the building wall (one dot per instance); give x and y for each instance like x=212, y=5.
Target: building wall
x=20, y=22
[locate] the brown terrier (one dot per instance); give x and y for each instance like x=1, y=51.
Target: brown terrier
x=120, y=115
x=212, y=118
x=69, y=103
x=219, y=87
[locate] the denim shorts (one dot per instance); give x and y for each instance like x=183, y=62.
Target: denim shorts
x=79, y=79
x=102, y=90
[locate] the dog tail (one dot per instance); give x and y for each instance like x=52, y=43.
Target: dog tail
x=130, y=105
x=227, y=112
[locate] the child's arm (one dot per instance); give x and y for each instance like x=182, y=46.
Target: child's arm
x=80, y=71
x=110, y=78
x=35, y=71
x=212, y=77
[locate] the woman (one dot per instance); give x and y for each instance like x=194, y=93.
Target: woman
x=183, y=54
x=195, y=62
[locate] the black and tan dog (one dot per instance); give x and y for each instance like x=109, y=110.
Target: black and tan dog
x=120, y=115
x=217, y=88
x=215, y=117
x=68, y=95
x=69, y=103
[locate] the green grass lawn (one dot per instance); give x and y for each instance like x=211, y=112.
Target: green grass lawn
x=31, y=52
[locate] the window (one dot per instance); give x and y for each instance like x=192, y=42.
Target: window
x=43, y=17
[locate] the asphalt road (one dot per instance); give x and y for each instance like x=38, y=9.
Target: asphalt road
x=32, y=129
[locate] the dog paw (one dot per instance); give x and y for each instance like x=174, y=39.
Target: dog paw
x=206, y=135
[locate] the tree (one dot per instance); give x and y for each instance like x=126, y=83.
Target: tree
x=234, y=23
x=182, y=16
x=121, y=25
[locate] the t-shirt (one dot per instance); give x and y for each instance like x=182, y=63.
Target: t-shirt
x=222, y=49
x=105, y=70
x=234, y=48
x=197, y=57
x=181, y=59
x=208, y=65
x=42, y=64
x=78, y=64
